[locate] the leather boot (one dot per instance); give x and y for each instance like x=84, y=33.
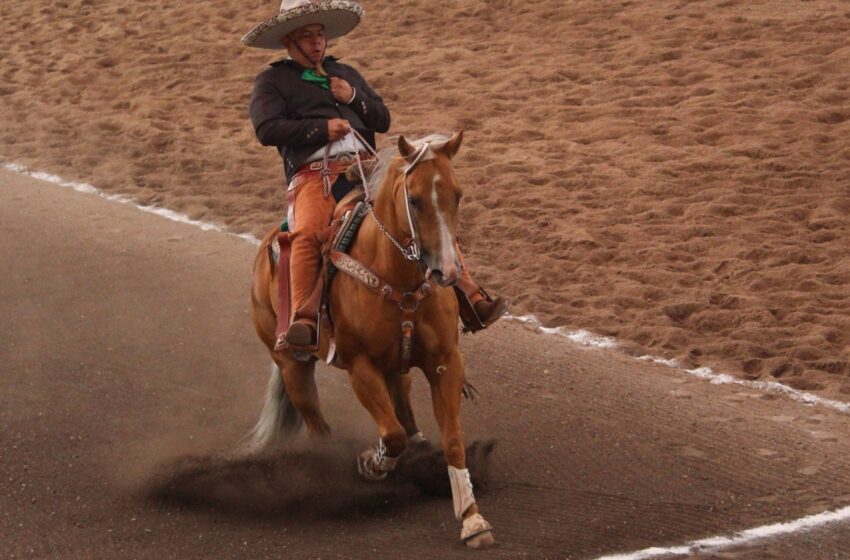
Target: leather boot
x=484, y=312
x=301, y=334
x=490, y=310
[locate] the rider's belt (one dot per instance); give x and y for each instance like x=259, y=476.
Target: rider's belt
x=337, y=165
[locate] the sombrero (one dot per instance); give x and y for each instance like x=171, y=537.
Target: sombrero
x=338, y=16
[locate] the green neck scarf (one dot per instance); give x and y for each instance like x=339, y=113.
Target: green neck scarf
x=310, y=75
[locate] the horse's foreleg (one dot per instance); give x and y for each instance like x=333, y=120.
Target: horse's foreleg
x=300, y=381
x=446, y=381
x=371, y=389
x=399, y=387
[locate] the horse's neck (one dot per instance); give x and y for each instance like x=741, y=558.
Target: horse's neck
x=379, y=252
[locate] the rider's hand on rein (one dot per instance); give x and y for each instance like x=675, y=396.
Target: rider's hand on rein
x=337, y=128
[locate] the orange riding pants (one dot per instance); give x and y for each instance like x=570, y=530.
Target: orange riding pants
x=310, y=213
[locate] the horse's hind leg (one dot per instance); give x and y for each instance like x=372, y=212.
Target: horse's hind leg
x=446, y=380
x=371, y=389
x=299, y=378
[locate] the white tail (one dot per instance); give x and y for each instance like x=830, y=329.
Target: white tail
x=279, y=417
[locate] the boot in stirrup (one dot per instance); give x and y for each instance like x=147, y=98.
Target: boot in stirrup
x=300, y=334
x=482, y=313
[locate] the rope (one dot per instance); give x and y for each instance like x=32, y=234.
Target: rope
x=360, y=164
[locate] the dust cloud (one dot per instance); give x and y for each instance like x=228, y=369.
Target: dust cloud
x=306, y=479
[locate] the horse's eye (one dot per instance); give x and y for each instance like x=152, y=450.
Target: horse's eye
x=414, y=202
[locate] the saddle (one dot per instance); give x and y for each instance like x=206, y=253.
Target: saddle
x=336, y=243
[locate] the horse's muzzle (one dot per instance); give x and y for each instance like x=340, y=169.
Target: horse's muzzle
x=441, y=278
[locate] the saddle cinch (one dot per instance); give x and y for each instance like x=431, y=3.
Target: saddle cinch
x=338, y=238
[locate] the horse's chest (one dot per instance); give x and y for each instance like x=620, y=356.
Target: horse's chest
x=381, y=335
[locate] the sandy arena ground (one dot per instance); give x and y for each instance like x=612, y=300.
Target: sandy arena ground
x=129, y=373
x=671, y=173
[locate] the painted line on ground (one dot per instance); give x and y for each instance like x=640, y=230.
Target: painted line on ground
x=750, y=536
x=580, y=337
x=122, y=199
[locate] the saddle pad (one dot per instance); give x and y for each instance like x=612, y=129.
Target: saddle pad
x=345, y=236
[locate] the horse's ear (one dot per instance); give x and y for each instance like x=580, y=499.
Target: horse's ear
x=453, y=145
x=404, y=147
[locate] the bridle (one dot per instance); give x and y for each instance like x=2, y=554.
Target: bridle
x=408, y=302
x=410, y=250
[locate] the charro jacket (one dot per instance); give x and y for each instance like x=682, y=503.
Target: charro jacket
x=292, y=114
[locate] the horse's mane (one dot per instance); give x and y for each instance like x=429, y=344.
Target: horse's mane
x=387, y=156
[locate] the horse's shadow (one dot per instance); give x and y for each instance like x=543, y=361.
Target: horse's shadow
x=298, y=481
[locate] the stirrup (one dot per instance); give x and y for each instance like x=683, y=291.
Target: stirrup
x=472, y=321
x=301, y=352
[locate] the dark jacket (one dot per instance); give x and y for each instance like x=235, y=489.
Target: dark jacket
x=293, y=114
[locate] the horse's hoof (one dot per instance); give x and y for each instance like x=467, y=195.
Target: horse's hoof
x=481, y=540
x=476, y=532
x=366, y=467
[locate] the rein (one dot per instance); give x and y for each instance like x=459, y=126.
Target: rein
x=412, y=251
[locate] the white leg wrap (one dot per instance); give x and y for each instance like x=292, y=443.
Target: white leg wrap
x=462, y=496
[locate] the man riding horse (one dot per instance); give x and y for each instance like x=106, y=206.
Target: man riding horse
x=319, y=112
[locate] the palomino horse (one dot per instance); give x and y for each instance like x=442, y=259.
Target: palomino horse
x=416, y=197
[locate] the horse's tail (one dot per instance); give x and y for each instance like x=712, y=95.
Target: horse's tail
x=279, y=417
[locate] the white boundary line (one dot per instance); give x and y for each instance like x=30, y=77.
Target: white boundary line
x=750, y=536
x=121, y=199
x=581, y=337
x=585, y=338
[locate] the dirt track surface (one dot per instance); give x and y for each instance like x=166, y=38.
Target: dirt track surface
x=126, y=345
x=669, y=173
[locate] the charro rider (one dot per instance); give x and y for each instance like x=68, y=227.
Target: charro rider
x=315, y=109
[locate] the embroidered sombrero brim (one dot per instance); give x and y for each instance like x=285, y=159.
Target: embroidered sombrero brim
x=338, y=16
